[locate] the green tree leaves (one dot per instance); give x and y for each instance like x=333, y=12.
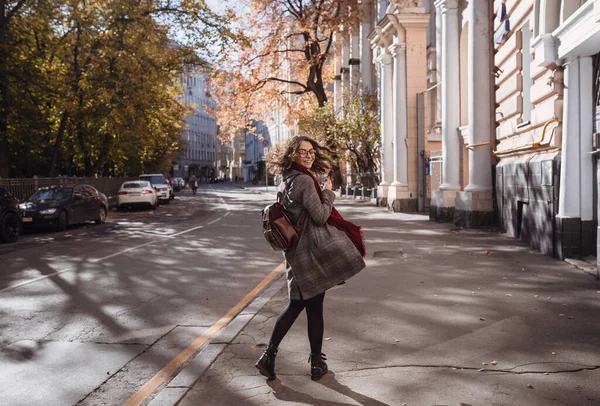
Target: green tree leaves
x=92, y=87
x=353, y=131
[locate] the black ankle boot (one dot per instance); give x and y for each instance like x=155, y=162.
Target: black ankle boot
x=266, y=362
x=318, y=367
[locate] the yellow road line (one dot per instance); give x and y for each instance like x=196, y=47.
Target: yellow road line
x=169, y=369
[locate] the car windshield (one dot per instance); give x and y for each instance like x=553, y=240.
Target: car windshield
x=135, y=185
x=156, y=179
x=51, y=194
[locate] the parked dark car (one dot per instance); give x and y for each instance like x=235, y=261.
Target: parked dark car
x=10, y=220
x=61, y=206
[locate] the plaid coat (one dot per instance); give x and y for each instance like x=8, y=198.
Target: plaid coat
x=324, y=255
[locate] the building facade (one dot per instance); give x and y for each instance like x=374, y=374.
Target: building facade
x=199, y=155
x=496, y=102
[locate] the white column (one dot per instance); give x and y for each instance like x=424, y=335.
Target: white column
x=355, y=62
x=387, y=123
x=438, y=64
x=337, y=84
x=366, y=56
x=569, y=198
x=576, y=177
x=450, y=96
x=400, y=117
x=480, y=88
x=345, y=64
x=586, y=131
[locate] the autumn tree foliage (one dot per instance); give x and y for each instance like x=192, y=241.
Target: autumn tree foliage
x=354, y=129
x=92, y=87
x=283, y=62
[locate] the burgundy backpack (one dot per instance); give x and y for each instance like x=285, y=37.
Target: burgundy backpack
x=278, y=230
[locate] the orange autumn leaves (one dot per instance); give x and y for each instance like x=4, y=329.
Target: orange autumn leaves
x=281, y=62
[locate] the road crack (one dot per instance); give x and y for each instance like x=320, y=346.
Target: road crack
x=579, y=368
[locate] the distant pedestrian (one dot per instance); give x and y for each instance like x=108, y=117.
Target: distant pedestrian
x=194, y=184
x=329, y=251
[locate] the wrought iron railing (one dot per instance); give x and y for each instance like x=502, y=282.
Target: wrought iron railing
x=22, y=188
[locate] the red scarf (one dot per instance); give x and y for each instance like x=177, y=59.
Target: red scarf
x=335, y=219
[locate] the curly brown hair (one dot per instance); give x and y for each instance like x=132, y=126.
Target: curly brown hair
x=281, y=157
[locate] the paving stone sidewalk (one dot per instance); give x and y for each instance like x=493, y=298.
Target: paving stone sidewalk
x=440, y=316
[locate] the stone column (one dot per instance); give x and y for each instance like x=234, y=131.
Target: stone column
x=387, y=124
x=575, y=206
x=438, y=65
x=337, y=85
x=474, y=206
x=443, y=200
x=366, y=55
x=345, y=71
x=400, y=120
x=355, y=59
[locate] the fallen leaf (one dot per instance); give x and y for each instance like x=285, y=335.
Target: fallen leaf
x=571, y=317
x=553, y=353
x=482, y=319
x=508, y=294
x=484, y=363
x=536, y=295
x=488, y=252
x=530, y=386
x=561, y=315
x=327, y=338
x=494, y=363
x=481, y=370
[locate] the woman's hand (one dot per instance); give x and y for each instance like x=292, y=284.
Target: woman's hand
x=328, y=184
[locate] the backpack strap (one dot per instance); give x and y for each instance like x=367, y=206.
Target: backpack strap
x=300, y=224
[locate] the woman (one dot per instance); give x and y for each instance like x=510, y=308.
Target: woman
x=329, y=251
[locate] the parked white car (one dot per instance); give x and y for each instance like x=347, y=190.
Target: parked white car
x=159, y=183
x=137, y=192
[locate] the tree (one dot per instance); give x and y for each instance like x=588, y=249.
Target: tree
x=355, y=128
x=93, y=86
x=282, y=62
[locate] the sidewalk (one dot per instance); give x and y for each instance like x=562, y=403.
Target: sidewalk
x=440, y=316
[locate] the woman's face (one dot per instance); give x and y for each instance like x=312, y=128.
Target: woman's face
x=305, y=154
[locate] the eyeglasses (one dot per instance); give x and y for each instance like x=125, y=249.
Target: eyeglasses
x=303, y=152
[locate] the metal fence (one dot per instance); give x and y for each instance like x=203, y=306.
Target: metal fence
x=22, y=188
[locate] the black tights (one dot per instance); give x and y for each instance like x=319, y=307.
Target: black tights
x=314, y=314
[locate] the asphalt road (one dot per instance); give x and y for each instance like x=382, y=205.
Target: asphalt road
x=89, y=315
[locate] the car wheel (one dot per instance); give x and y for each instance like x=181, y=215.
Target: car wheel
x=172, y=196
x=155, y=206
x=63, y=221
x=101, y=216
x=10, y=228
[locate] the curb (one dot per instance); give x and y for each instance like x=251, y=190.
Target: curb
x=184, y=381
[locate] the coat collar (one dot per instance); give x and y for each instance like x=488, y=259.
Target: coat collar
x=291, y=172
